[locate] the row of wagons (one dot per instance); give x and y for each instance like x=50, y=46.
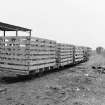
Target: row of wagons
x=23, y=55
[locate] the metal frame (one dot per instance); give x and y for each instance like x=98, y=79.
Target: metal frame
x=7, y=27
x=16, y=33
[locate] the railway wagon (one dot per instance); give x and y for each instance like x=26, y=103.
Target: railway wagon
x=86, y=53
x=25, y=55
x=89, y=51
x=78, y=54
x=42, y=55
x=64, y=54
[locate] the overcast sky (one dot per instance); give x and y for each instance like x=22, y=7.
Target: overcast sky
x=79, y=22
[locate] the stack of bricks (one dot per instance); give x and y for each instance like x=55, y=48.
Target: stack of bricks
x=65, y=54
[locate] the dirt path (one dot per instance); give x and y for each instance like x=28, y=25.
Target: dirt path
x=81, y=87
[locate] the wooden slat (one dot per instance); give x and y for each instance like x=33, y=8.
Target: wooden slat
x=41, y=39
x=42, y=66
x=11, y=72
x=66, y=57
x=33, y=67
x=41, y=62
x=14, y=62
x=46, y=61
x=14, y=67
x=42, y=57
x=15, y=56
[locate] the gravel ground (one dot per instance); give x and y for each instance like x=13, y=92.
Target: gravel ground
x=78, y=85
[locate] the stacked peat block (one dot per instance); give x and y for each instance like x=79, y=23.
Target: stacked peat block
x=42, y=54
x=86, y=53
x=24, y=54
x=78, y=54
x=13, y=54
x=64, y=54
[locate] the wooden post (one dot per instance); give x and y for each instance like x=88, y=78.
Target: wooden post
x=30, y=33
x=16, y=33
x=29, y=38
x=4, y=37
x=4, y=33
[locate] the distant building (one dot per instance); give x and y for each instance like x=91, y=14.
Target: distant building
x=99, y=50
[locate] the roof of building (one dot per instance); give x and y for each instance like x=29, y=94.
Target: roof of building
x=9, y=27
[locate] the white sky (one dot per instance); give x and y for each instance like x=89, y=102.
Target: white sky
x=79, y=22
